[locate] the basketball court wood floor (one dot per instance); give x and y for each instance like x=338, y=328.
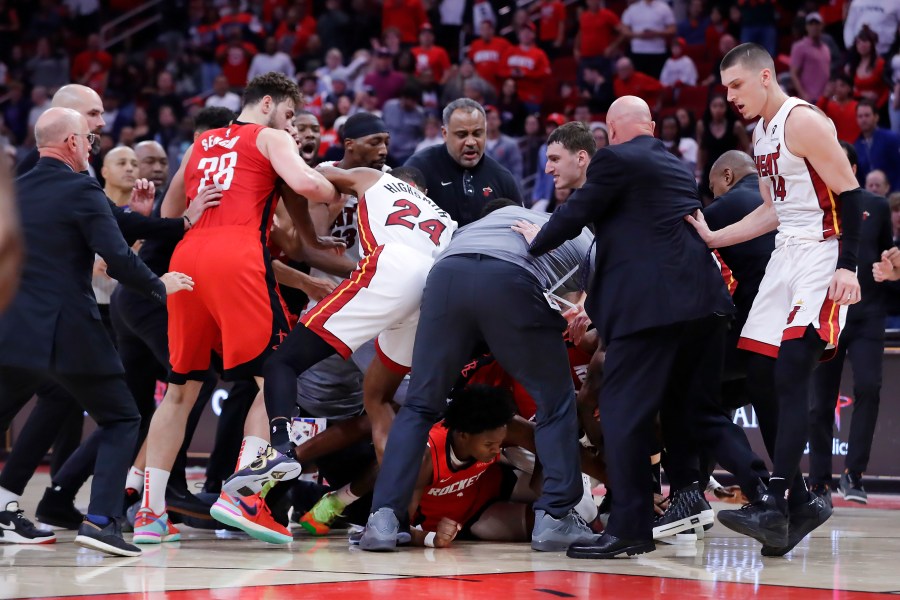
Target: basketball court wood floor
x=853, y=556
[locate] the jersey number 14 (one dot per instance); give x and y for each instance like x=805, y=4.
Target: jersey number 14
x=219, y=170
x=778, y=192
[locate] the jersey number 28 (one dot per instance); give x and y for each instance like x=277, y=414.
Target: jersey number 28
x=409, y=211
x=218, y=169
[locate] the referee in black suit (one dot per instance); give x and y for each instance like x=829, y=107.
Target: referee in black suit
x=658, y=301
x=53, y=329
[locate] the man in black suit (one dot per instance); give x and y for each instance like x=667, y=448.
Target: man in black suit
x=53, y=330
x=658, y=301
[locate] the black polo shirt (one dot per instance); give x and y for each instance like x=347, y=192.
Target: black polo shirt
x=464, y=192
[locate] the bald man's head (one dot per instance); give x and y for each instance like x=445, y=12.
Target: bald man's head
x=628, y=117
x=153, y=163
x=62, y=133
x=83, y=100
x=120, y=168
x=730, y=168
x=877, y=183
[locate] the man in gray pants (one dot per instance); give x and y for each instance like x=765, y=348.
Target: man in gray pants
x=486, y=288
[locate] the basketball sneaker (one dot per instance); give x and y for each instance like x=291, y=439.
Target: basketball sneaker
x=16, y=529
x=250, y=514
x=150, y=528
x=318, y=520
x=687, y=510
x=851, y=488
x=803, y=519
x=764, y=519
x=262, y=474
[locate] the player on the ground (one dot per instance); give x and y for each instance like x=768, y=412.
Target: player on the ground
x=235, y=310
x=401, y=231
x=810, y=195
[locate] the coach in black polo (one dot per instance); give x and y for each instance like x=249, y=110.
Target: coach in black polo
x=461, y=178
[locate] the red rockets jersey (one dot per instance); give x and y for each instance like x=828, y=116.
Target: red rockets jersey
x=455, y=494
x=229, y=159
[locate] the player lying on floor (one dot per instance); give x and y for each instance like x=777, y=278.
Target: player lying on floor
x=464, y=470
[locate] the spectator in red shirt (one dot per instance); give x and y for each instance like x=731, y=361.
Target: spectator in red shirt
x=599, y=34
x=294, y=32
x=234, y=57
x=552, y=26
x=838, y=104
x=867, y=68
x=429, y=56
x=487, y=52
x=235, y=20
x=384, y=80
x=529, y=66
x=91, y=66
x=407, y=16
x=629, y=82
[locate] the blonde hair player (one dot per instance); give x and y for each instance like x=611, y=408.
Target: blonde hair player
x=809, y=195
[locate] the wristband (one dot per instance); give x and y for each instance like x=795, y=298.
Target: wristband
x=429, y=539
x=186, y=218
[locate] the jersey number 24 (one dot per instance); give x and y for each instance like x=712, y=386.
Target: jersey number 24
x=406, y=215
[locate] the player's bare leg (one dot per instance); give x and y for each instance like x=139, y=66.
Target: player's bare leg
x=379, y=386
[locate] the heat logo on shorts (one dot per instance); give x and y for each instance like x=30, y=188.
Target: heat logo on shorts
x=798, y=307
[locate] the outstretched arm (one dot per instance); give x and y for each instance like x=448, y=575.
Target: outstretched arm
x=350, y=181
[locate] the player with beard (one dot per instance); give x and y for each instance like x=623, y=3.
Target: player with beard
x=235, y=310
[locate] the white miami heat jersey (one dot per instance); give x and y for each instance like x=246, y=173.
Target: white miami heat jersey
x=806, y=208
x=393, y=211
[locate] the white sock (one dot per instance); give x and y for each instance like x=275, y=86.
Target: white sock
x=251, y=448
x=6, y=497
x=135, y=479
x=155, y=481
x=345, y=496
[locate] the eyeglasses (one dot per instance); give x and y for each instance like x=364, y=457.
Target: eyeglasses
x=91, y=137
x=468, y=186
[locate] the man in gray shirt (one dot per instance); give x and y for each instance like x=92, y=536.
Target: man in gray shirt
x=486, y=287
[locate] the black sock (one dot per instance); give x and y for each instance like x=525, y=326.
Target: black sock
x=657, y=481
x=280, y=435
x=778, y=489
x=799, y=494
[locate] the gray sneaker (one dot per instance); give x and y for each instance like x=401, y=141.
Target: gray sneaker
x=556, y=535
x=851, y=489
x=382, y=532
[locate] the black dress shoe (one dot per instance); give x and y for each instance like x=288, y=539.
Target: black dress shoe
x=609, y=546
x=180, y=500
x=57, y=508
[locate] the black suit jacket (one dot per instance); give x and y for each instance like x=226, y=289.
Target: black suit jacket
x=747, y=260
x=134, y=226
x=652, y=268
x=54, y=323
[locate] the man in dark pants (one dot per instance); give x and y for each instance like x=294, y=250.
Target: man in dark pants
x=484, y=287
x=46, y=424
x=53, y=329
x=863, y=340
x=651, y=305
x=459, y=177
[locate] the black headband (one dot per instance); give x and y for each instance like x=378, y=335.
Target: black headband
x=363, y=124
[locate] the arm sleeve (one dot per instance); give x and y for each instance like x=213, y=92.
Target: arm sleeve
x=99, y=228
x=135, y=226
x=852, y=202
x=587, y=204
